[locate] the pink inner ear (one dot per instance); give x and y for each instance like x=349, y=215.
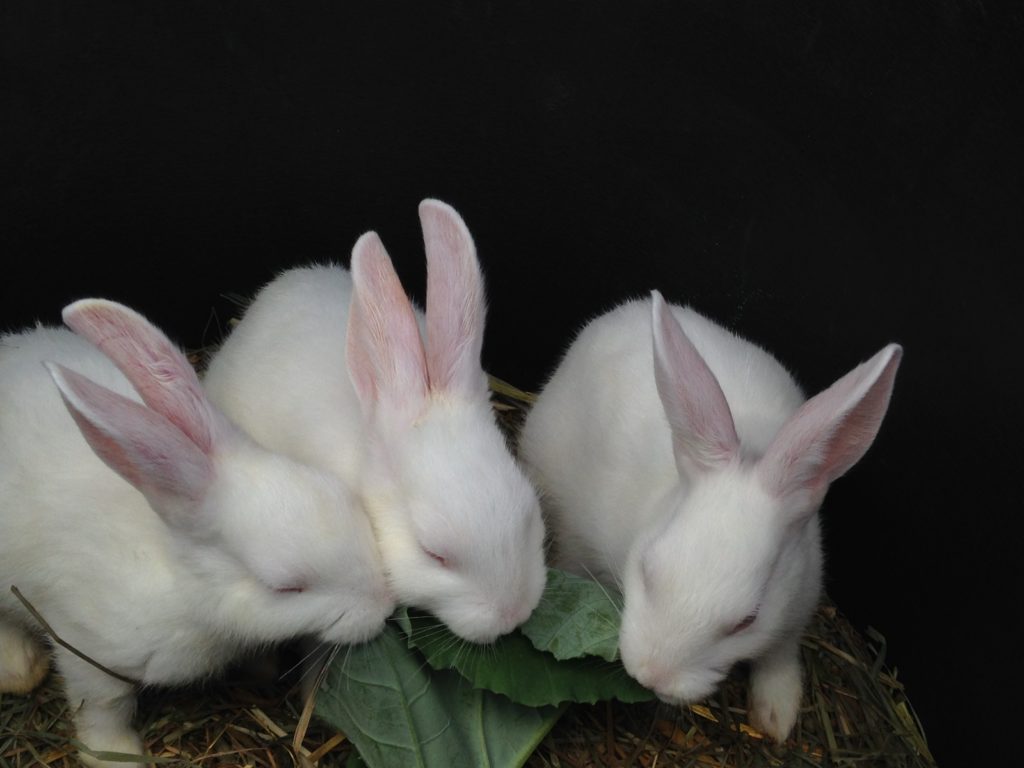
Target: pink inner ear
x=455, y=300
x=140, y=445
x=833, y=430
x=703, y=432
x=156, y=368
x=384, y=350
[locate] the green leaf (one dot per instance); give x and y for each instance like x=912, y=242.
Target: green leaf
x=399, y=712
x=423, y=697
x=576, y=617
x=513, y=667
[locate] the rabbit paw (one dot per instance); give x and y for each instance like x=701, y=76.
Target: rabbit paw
x=23, y=661
x=775, y=692
x=124, y=742
x=103, y=710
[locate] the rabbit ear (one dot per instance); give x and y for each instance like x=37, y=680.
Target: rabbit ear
x=144, y=447
x=384, y=350
x=455, y=301
x=832, y=430
x=703, y=433
x=156, y=368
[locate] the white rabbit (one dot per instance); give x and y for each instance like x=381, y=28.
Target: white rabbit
x=331, y=368
x=166, y=541
x=692, y=477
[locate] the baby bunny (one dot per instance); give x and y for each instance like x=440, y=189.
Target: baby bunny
x=692, y=477
x=334, y=369
x=149, y=532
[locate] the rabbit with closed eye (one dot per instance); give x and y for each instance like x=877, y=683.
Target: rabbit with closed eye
x=151, y=533
x=338, y=370
x=690, y=471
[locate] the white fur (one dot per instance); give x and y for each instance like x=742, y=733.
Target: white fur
x=335, y=373
x=169, y=589
x=703, y=510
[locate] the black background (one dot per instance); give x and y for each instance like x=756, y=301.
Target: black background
x=821, y=177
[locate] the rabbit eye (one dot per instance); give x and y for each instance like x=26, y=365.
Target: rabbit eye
x=434, y=556
x=747, y=621
x=290, y=590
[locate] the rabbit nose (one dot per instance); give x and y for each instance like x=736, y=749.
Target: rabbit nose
x=504, y=622
x=384, y=596
x=650, y=675
x=513, y=616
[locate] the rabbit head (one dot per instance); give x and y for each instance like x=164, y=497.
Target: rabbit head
x=458, y=523
x=732, y=566
x=283, y=547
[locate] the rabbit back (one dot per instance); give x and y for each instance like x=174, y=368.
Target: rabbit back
x=597, y=442
x=282, y=371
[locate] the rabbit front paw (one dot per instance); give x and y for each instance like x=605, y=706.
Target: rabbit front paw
x=775, y=691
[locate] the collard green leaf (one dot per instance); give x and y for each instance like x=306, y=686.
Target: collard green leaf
x=513, y=667
x=576, y=617
x=420, y=696
x=400, y=713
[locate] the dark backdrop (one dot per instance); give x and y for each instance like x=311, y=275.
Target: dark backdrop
x=821, y=177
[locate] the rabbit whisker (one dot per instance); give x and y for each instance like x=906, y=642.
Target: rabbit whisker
x=318, y=650
x=601, y=586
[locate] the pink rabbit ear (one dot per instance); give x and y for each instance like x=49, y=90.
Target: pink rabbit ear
x=156, y=368
x=455, y=301
x=142, y=446
x=832, y=430
x=703, y=433
x=384, y=350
